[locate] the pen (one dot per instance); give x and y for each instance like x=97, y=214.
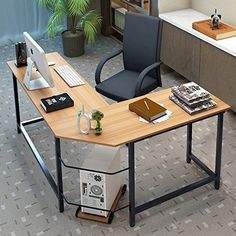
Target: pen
x=146, y=105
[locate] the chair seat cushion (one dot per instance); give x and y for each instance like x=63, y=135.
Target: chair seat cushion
x=121, y=86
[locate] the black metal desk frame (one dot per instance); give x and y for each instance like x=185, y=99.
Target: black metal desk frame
x=56, y=187
x=133, y=210
x=212, y=176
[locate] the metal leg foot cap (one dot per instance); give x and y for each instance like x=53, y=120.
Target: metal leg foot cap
x=217, y=186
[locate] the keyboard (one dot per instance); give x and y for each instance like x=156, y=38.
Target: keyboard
x=69, y=75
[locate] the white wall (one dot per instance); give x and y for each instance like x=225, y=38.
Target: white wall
x=226, y=8
x=172, y=5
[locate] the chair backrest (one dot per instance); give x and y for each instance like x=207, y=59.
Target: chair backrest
x=141, y=42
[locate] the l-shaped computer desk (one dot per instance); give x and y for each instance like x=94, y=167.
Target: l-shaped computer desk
x=120, y=126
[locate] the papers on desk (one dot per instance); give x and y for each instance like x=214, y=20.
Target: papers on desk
x=159, y=120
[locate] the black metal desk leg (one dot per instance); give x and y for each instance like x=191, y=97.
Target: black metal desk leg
x=16, y=104
x=189, y=143
x=59, y=175
x=131, y=185
x=219, y=137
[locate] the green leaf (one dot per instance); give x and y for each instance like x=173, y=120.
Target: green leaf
x=89, y=23
x=76, y=9
x=54, y=22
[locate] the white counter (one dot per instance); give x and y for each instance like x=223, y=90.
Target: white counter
x=183, y=19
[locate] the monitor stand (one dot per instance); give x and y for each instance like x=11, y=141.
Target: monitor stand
x=32, y=84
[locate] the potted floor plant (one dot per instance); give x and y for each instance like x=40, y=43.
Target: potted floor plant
x=83, y=23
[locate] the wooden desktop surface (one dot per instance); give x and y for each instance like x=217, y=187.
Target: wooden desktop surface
x=120, y=126
x=84, y=94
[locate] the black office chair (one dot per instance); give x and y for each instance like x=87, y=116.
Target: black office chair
x=141, y=57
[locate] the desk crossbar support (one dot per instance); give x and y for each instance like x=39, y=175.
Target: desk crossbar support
x=202, y=165
x=39, y=160
x=32, y=121
x=173, y=194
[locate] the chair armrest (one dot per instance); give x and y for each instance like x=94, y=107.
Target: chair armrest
x=102, y=63
x=142, y=76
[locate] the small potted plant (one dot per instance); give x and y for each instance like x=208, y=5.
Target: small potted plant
x=83, y=25
x=97, y=116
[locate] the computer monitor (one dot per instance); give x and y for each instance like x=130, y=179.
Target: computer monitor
x=40, y=76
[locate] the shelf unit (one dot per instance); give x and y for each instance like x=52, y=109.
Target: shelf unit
x=113, y=12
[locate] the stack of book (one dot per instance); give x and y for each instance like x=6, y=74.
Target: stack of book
x=192, y=98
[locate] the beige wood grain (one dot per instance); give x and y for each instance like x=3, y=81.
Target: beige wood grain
x=224, y=31
x=120, y=126
x=181, y=51
x=83, y=94
x=218, y=73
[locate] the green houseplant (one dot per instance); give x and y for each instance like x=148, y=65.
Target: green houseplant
x=83, y=23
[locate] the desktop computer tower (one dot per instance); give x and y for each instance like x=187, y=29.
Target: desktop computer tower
x=100, y=190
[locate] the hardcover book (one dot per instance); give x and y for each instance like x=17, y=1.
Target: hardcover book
x=205, y=106
x=194, y=103
x=147, y=109
x=191, y=93
x=56, y=102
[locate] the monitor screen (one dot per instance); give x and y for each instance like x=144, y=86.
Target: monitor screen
x=38, y=57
